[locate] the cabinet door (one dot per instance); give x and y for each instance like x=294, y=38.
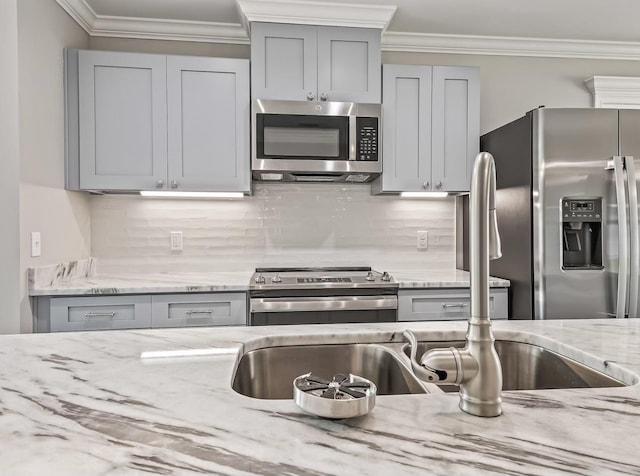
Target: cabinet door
x=283, y=61
x=208, y=124
x=100, y=313
x=349, y=64
x=406, y=128
x=123, y=121
x=183, y=310
x=456, y=126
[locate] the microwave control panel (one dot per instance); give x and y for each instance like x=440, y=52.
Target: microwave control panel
x=367, y=138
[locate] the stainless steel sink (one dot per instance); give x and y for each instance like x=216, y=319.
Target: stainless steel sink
x=268, y=373
x=531, y=367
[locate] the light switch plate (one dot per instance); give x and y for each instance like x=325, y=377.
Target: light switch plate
x=176, y=241
x=36, y=244
x=423, y=239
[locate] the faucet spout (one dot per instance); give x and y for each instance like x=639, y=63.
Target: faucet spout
x=476, y=368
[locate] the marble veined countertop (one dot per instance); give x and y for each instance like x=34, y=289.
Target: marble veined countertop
x=80, y=278
x=86, y=403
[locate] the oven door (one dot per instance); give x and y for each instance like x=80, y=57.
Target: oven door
x=301, y=137
x=322, y=310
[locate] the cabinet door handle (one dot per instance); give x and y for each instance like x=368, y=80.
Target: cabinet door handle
x=199, y=311
x=459, y=305
x=311, y=96
x=324, y=97
x=174, y=184
x=439, y=185
x=159, y=183
x=90, y=315
x=425, y=185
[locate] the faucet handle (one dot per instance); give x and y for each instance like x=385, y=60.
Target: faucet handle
x=422, y=372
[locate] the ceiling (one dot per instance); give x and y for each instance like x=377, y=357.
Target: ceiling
x=590, y=26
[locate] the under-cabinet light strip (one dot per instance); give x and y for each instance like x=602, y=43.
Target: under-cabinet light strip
x=154, y=194
x=424, y=194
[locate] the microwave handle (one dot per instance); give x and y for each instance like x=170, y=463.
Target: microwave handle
x=353, y=140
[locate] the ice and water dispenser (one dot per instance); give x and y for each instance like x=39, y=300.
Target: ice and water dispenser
x=581, y=233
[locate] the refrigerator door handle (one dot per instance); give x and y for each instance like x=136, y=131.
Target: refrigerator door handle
x=623, y=240
x=634, y=245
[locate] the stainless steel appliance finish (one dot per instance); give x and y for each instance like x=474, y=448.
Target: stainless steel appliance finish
x=305, y=141
x=531, y=367
x=321, y=296
x=268, y=373
x=555, y=157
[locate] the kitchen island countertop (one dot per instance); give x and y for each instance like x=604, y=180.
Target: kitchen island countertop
x=86, y=403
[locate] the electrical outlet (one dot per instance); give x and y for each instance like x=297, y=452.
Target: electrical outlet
x=36, y=244
x=176, y=241
x=423, y=239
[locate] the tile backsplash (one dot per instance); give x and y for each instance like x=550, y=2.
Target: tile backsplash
x=280, y=225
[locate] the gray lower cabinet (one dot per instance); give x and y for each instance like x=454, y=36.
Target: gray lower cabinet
x=182, y=310
x=83, y=313
x=319, y=63
x=431, y=128
x=154, y=122
x=99, y=313
x=447, y=304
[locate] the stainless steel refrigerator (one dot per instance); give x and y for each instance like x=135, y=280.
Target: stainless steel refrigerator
x=567, y=206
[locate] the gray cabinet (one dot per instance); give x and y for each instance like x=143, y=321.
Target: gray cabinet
x=99, y=313
x=188, y=310
x=447, y=304
x=139, y=311
x=306, y=62
x=208, y=119
x=154, y=122
x=431, y=128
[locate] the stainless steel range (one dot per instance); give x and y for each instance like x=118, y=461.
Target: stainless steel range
x=321, y=296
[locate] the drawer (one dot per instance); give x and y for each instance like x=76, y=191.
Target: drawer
x=184, y=310
x=100, y=313
x=446, y=304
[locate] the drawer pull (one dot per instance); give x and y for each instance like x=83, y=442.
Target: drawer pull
x=461, y=305
x=199, y=311
x=90, y=315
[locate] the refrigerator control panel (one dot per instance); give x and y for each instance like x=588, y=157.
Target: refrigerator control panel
x=582, y=210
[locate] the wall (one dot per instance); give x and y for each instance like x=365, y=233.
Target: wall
x=511, y=86
x=9, y=169
x=62, y=217
x=281, y=225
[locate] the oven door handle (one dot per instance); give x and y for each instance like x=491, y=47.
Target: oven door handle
x=309, y=304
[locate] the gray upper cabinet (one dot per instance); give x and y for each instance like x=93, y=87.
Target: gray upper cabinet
x=154, y=122
x=306, y=62
x=431, y=125
x=208, y=107
x=456, y=126
x=123, y=120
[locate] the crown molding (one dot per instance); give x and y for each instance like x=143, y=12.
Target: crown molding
x=173, y=30
x=152, y=28
x=344, y=14
x=317, y=13
x=510, y=46
x=615, y=91
x=81, y=12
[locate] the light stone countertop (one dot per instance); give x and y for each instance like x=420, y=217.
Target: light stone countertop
x=80, y=278
x=85, y=403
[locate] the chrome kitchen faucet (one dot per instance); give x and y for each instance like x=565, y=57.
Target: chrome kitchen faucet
x=475, y=368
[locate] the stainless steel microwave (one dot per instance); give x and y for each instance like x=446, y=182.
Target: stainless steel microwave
x=304, y=141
